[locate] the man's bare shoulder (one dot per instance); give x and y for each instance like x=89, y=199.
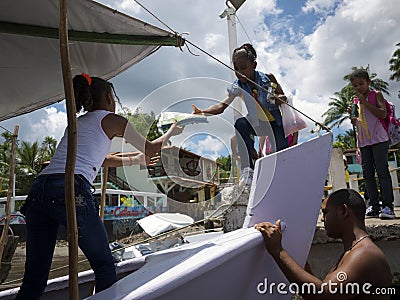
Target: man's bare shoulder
x=367, y=263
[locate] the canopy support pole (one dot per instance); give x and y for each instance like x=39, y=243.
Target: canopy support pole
x=71, y=153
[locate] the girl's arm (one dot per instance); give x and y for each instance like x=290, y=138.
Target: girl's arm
x=112, y=160
x=214, y=109
x=115, y=125
x=379, y=110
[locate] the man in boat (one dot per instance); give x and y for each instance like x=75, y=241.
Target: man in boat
x=362, y=270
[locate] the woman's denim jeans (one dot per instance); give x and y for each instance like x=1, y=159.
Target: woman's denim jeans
x=45, y=212
x=245, y=141
x=375, y=157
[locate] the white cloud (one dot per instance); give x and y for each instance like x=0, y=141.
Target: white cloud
x=39, y=124
x=319, y=6
x=347, y=38
x=208, y=147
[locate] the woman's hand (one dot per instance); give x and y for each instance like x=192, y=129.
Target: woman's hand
x=144, y=160
x=176, y=129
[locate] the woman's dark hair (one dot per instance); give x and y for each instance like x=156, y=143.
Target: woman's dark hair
x=87, y=95
x=359, y=73
x=246, y=50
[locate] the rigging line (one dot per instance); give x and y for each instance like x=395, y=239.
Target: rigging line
x=5, y=129
x=244, y=29
x=158, y=19
x=229, y=67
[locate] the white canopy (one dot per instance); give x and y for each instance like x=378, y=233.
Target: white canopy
x=103, y=42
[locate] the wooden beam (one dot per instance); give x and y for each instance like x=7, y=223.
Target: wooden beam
x=71, y=154
x=92, y=37
x=103, y=192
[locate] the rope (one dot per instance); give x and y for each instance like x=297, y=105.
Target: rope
x=244, y=29
x=158, y=19
x=5, y=129
x=318, y=124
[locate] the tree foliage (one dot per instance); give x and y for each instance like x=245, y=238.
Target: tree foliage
x=225, y=167
x=345, y=140
x=395, y=65
x=337, y=112
x=48, y=148
x=29, y=159
x=144, y=123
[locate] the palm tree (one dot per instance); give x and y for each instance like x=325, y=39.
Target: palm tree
x=28, y=157
x=4, y=171
x=337, y=112
x=5, y=149
x=49, y=146
x=346, y=140
x=395, y=65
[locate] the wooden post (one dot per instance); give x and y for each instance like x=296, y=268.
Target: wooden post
x=10, y=190
x=103, y=192
x=71, y=153
x=102, y=204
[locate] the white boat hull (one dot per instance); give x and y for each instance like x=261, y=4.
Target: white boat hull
x=236, y=265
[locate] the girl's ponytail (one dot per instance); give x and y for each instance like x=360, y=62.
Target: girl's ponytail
x=83, y=98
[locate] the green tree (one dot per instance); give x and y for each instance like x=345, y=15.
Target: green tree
x=28, y=162
x=345, y=140
x=395, y=65
x=144, y=123
x=5, y=151
x=225, y=166
x=48, y=148
x=337, y=112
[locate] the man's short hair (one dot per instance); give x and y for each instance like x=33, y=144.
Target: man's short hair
x=351, y=198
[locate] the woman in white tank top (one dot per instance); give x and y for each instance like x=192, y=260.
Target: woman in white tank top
x=44, y=208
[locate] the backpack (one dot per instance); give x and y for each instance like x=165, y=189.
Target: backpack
x=390, y=123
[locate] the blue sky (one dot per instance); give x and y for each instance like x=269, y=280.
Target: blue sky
x=308, y=45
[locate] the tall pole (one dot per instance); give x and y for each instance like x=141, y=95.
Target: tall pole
x=230, y=14
x=71, y=153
